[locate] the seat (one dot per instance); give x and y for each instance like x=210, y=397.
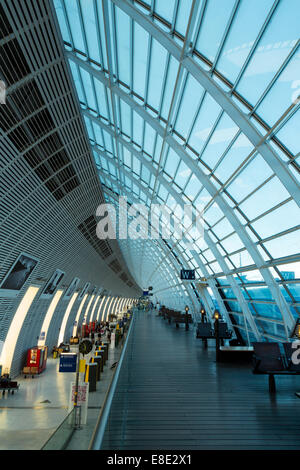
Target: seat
x=289, y=351
x=204, y=331
x=224, y=332
x=267, y=358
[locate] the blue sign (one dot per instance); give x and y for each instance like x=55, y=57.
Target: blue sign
x=145, y=292
x=68, y=362
x=188, y=274
x=42, y=336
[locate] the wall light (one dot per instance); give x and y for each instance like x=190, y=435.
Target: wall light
x=93, y=309
x=65, y=319
x=216, y=315
x=88, y=308
x=99, y=309
x=15, y=328
x=78, y=315
x=105, y=306
x=49, y=315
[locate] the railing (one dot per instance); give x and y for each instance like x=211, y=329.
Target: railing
x=62, y=436
x=60, y=439
x=102, y=432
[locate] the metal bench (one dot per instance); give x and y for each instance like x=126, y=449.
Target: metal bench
x=181, y=318
x=224, y=332
x=205, y=332
x=268, y=360
x=9, y=387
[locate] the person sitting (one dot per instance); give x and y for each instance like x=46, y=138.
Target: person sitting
x=4, y=380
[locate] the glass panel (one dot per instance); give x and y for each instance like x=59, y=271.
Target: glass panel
x=183, y=15
x=75, y=27
x=279, y=220
x=281, y=93
x=290, y=271
x=242, y=35
x=288, y=135
x=156, y=75
x=165, y=9
x=252, y=176
x=189, y=104
x=268, y=310
x=207, y=116
x=271, y=194
x=234, y=158
x=62, y=20
x=61, y=437
x=123, y=45
x=218, y=14
x=285, y=245
x=229, y=294
x=274, y=46
x=220, y=139
x=259, y=293
x=90, y=30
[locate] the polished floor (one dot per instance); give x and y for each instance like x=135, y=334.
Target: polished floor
x=30, y=417
x=176, y=396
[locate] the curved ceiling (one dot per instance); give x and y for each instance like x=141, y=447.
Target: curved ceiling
x=195, y=102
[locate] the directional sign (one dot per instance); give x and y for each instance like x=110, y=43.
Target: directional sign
x=187, y=274
x=67, y=362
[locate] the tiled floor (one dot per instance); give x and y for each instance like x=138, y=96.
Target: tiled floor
x=30, y=416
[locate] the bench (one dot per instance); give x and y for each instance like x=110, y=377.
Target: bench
x=9, y=387
x=170, y=314
x=268, y=360
x=236, y=354
x=204, y=331
x=224, y=332
x=181, y=318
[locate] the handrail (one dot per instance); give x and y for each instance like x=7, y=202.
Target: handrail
x=66, y=438
x=98, y=433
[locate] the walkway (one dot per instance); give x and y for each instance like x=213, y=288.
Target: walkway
x=177, y=397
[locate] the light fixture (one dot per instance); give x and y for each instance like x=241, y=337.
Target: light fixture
x=99, y=309
x=217, y=315
x=78, y=314
x=49, y=315
x=16, y=326
x=66, y=317
x=296, y=330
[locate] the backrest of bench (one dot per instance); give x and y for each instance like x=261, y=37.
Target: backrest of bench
x=223, y=329
x=289, y=351
x=269, y=357
x=204, y=329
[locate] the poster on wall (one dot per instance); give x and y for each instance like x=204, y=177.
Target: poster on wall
x=17, y=275
x=52, y=284
x=94, y=290
x=103, y=293
x=85, y=288
x=72, y=288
